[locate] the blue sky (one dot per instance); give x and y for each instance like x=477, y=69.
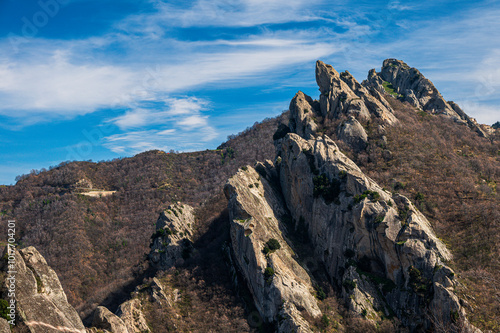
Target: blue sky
x=88, y=79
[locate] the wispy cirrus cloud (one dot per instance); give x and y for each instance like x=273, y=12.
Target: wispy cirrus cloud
x=222, y=13
x=171, y=110
x=194, y=135
x=173, y=123
x=59, y=83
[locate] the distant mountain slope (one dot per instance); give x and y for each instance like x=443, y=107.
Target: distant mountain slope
x=94, y=243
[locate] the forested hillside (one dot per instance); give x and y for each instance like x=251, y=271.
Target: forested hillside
x=98, y=244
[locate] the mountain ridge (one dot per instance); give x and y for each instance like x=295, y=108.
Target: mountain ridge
x=357, y=115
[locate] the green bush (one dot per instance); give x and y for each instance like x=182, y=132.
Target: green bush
x=379, y=219
x=454, y=316
x=268, y=274
x=273, y=244
x=325, y=321
x=3, y=309
x=373, y=195
x=329, y=190
x=349, y=285
x=419, y=197
x=320, y=293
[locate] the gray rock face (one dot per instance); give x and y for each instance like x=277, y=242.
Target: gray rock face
x=106, y=320
x=279, y=285
x=379, y=247
x=133, y=317
x=342, y=95
x=302, y=115
x=41, y=302
x=172, y=239
x=418, y=91
x=351, y=132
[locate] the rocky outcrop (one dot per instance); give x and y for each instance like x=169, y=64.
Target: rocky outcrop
x=173, y=237
x=133, y=317
x=303, y=113
x=342, y=95
x=353, y=133
x=379, y=251
x=377, y=245
x=415, y=88
x=280, y=287
x=41, y=302
x=106, y=320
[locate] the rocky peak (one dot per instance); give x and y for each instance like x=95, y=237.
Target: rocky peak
x=342, y=95
x=303, y=112
x=173, y=237
x=379, y=251
x=409, y=84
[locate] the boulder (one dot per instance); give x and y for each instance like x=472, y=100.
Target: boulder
x=106, y=320
x=133, y=317
x=41, y=302
x=352, y=133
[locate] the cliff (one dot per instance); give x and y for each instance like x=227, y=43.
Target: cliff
x=380, y=252
x=41, y=302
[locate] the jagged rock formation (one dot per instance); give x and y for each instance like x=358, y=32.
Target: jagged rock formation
x=172, y=240
x=341, y=95
x=42, y=306
x=107, y=321
x=413, y=87
x=379, y=250
x=133, y=317
x=41, y=302
x=279, y=285
x=377, y=245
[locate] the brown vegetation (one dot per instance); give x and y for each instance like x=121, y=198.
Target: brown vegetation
x=451, y=174
x=97, y=244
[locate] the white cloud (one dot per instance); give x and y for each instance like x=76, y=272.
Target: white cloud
x=488, y=114
x=170, y=110
x=60, y=83
x=396, y=5
x=193, y=122
x=134, y=142
x=222, y=13
x=174, y=123
x=56, y=86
